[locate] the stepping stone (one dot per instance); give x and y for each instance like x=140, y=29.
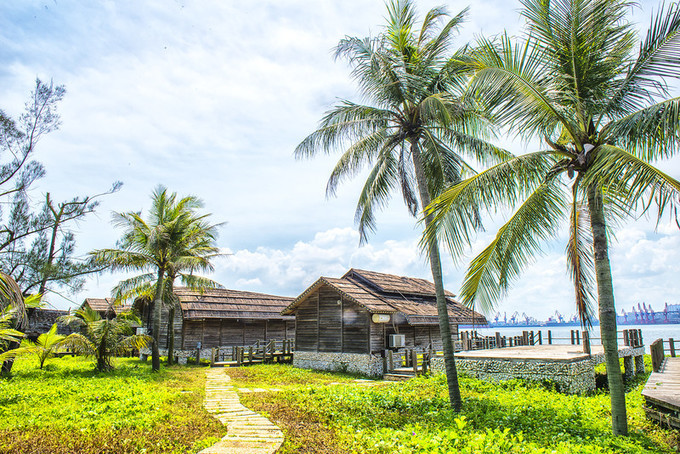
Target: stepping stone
x=247, y=432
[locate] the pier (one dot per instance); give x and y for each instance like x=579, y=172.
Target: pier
x=662, y=391
x=534, y=356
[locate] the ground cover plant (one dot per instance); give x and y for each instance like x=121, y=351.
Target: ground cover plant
x=69, y=408
x=284, y=375
x=414, y=417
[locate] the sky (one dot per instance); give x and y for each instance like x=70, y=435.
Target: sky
x=210, y=98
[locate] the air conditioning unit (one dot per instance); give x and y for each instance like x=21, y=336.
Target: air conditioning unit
x=397, y=340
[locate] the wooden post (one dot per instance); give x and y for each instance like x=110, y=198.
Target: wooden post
x=250, y=353
x=573, y=338
x=213, y=354
x=499, y=341
x=531, y=337
x=414, y=358
x=390, y=360
x=525, y=337
x=549, y=337
x=198, y=356
x=586, y=342
x=671, y=344
x=578, y=337
x=656, y=349
x=640, y=337
x=540, y=338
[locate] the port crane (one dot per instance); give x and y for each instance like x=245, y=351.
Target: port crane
x=513, y=318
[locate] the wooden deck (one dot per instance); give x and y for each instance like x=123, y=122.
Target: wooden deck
x=554, y=352
x=662, y=393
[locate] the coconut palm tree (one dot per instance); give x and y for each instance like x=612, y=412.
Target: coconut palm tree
x=159, y=244
x=143, y=286
x=103, y=338
x=599, y=104
x=410, y=130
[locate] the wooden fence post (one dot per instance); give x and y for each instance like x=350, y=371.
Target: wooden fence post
x=671, y=344
x=540, y=338
x=549, y=337
x=656, y=349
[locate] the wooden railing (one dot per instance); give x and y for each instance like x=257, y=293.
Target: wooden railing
x=471, y=340
x=259, y=352
x=658, y=352
x=416, y=359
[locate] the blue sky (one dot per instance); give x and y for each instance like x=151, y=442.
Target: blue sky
x=211, y=97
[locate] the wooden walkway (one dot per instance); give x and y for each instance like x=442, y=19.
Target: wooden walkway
x=662, y=393
x=247, y=432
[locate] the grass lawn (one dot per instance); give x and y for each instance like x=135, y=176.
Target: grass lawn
x=413, y=417
x=69, y=408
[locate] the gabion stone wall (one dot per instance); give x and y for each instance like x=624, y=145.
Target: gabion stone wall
x=365, y=364
x=571, y=377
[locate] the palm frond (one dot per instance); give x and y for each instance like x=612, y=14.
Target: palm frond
x=491, y=273
x=632, y=182
x=580, y=262
x=456, y=210
x=658, y=59
x=651, y=133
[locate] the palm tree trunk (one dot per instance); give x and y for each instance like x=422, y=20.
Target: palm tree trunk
x=156, y=322
x=171, y=330
x=436, y=267
x=607, y=310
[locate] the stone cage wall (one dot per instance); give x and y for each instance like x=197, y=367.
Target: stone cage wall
x=356, y=363
x=572, y=377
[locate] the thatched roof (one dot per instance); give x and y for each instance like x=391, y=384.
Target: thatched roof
x=224, y=303
x=388, y=294
x=105, y=305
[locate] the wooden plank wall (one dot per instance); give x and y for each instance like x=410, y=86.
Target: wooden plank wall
x=231, y=332
x=330, y=320
x=355, y=328
x=307, y=326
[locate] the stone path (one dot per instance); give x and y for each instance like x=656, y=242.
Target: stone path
x=247, y=432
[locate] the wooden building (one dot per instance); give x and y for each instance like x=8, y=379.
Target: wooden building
x=348, y=323
x=105, y=306
x=222, y=318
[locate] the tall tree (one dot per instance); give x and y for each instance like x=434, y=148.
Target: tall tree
x=174, y=237
x=577, y=81
x=37, y=246
x=410, y=130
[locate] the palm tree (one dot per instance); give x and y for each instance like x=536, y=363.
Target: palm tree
x=578, y=82
x=103, y=338
x=13, y=319
x=44, y=347
x=409, y=131
x=173, y=237
x=195, y=258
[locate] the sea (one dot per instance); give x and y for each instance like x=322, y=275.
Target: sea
x=562, y=334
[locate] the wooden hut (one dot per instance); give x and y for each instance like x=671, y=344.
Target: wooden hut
x=348, y=323
x=105, y=306
x=221, y=318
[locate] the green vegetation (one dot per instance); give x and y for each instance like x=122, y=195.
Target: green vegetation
x=67, y=407
x=414, y=130
x=415, y=417
x=101, y=338
x=284, y=375
x=174, y=240
x=581, y=81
